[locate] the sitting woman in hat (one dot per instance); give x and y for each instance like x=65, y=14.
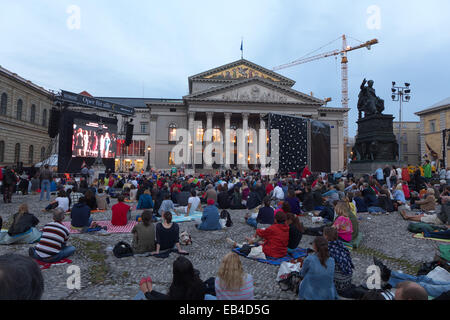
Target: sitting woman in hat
x=210, y=217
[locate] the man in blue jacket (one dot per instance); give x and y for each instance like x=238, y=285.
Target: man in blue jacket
x=210, y=217
x=81, y=215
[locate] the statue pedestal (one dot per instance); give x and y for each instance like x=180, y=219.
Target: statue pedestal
x=375, y=145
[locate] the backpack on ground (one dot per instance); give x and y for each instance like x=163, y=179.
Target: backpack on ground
x=226, y=215
x=122, y=249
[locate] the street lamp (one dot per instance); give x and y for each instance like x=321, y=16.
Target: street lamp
x=401, y=94
x=148, y=161
x=191, y=150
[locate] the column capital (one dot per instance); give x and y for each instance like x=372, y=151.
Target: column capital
x=191, y=113
x=227, y=115
x=153, y=117
x=209, y=114
x=245, y=115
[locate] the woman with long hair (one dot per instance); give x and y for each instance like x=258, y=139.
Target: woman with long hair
x=186, y=284
x=232, y=283
x=144, y=234
x=318, y=274
x=296, y=231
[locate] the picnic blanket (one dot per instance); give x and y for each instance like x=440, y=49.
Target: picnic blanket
x=110, y=228
x=47, y=265
x=444, y=251
x=183, y=218
x=297, y=253
x=421, y=236
x=92, y=211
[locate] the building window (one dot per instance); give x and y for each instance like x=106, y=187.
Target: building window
x=42, y=153
x=3, y=104
x=19, y=109
x=432, y=125
x=17, y=153
x=172, y=133
x=171, y=158
x=144, y=127
x=173, y=110
x=44, y=118
x=2, y=151
x=30, y=154
x=405, y=148
x=199, y=134
x=216, y=134
x=33, y=113
x=323, y=115
x=136, y=148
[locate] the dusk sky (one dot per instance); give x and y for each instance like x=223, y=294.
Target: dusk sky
x=150, y=48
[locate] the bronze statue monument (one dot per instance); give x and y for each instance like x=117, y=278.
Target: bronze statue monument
x=375, y=143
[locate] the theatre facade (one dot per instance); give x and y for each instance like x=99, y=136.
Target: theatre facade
x=234, y=96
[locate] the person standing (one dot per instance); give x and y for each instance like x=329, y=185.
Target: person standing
x=45, y=176
x=9, y=182
x=427, y=171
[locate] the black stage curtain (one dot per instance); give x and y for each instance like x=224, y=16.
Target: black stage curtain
x=293, y=141
x=67, y=163
x=320, y=147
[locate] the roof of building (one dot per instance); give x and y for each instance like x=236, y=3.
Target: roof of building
x=141, y=102
x=436, y=107
x=24, y=81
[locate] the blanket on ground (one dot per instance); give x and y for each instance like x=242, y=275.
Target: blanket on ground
x=421, y=236
x=110, y=228
x=47, y=265
x=297, y=253
x=183, y=218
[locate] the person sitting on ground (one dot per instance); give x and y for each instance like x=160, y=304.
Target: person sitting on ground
x=121, y=212
x=81, y=215
x=145, y=201
x=75, y=195
x=186, y=284
x=278, y=193
x=318, y=274
x=211, y=193
x=236, y=199
x=254, y=199
x=265, y=217
x=423, y=285
x=232, y=283
x=167, y=235
x=89, y=195
x=427, y=204
x=194, y=204
x=398, y=195
x=61, y=202
x=294, y=203
x=166, y=205
x=360, y=203
x=144, y=234
x=52, y=246
x=20, y=278
x=275, y=238
x=296, y=231
x=23, y=228
x=439, y=218
x=183, y=198
x=343, y=271
x=223, y=198
x=133, y=193
x=343, y=224
x=102, y=200
x=210, y=217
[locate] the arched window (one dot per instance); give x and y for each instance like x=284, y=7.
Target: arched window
x=17, y=153
x=42, y=153
x=33, y=113
x=3, y=104
x=44, y=118
x=172, y=133
x=30, y=154
x=19, y=109
x=2, y=151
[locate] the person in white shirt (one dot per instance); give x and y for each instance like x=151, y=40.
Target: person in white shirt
x=194, y=204
x=278, y=193
x=62, y=201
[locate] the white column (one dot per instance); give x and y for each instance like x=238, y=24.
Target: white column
x=152, y=141
x=245, y=130
x=227, y=139
x=209, y=127
x=190, y=140
x=341, y=145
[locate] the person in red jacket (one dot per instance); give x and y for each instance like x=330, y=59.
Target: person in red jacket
x=306, y=173
x=275, y=237
x=405, y=174
x=269, y=188
x=121, y=212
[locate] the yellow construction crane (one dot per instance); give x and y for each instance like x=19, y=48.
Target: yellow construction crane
x=344, y=70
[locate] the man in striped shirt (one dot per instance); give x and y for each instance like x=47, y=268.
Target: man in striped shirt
x=52, y=246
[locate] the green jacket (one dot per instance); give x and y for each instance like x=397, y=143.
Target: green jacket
x=427, y=170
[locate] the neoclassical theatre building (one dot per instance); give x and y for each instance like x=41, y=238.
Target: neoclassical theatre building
x=234, y=96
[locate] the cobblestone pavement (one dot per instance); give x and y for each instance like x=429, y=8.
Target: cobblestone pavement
x=105, y=277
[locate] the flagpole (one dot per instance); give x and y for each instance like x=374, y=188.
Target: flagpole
x=242, y=47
